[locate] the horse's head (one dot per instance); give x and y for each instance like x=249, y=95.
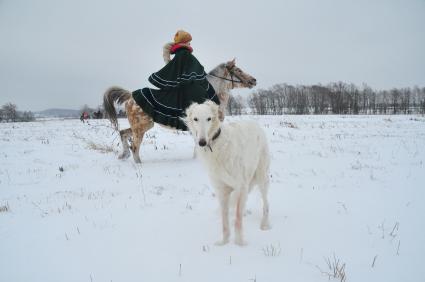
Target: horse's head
x=232, y=76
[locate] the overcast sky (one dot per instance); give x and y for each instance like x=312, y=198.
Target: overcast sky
x=64, y=54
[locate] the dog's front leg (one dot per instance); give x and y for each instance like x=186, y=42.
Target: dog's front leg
x=223, y=196
x=240, y=207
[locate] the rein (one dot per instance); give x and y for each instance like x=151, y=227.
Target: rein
x=223, y=78
x=231, y=78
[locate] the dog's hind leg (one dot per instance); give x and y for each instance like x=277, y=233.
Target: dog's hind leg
x=261, y=178
x=264, y=187
x=240, y=207
x=125, y=136
x=223, y=196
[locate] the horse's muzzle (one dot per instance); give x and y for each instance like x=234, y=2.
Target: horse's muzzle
x=252, y=82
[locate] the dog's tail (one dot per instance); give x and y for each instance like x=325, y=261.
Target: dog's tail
x=112, y=95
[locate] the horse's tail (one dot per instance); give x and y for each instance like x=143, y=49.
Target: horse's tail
x=112, y=95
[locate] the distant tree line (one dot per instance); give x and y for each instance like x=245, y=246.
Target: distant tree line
x=99, y=112
x=334, y=98
x=9, y=113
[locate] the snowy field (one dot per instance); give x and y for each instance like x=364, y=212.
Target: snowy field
x=346, y=189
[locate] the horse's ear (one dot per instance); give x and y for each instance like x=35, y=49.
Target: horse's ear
x=231, y=64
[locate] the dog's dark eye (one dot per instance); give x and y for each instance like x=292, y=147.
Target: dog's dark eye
x=209, y=119
x=195, y=119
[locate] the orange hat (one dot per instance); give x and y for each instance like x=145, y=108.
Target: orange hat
x=182, y=37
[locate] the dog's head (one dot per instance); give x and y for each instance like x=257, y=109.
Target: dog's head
x=202, y=121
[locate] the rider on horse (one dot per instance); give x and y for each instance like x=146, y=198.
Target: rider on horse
x=181, y=82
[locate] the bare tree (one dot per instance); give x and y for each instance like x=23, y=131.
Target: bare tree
x=422, y=101
x=280, y=97
x=405, y=100
x=395, y=99
x=10, y=112
x=257, y=102
x=27, y=116
x=235, y=105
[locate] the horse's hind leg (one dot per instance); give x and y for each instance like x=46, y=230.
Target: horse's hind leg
x=125, y=136
x=137, y=140
x=139, y=129
x=139, y=123
x=135, y=146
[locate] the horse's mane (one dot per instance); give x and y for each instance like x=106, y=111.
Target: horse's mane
x=214, y=71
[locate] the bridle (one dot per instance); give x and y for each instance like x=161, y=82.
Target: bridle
x=230, y=70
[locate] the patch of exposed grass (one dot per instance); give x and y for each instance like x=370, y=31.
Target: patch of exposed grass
x=272, y=250
x=335, y=269
x=4, y=208
x=288, y=124
x=101, y=148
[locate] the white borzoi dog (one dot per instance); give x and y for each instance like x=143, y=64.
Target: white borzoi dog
x=237, y=159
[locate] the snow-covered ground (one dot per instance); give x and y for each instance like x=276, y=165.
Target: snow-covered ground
x=345, y=188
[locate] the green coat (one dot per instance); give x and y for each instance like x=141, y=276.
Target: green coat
x=181, y=82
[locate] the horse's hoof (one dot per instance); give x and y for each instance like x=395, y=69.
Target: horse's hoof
x=123, y=156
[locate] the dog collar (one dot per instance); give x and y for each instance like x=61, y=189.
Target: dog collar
x=216, y=134
x=215, y=137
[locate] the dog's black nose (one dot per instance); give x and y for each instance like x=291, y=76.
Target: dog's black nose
x=202, y=142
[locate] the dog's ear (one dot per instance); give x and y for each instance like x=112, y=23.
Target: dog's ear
x=213, y=106
x=189, y=112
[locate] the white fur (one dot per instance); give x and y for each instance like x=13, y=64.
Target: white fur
x=166, y=52
x=236, y=161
